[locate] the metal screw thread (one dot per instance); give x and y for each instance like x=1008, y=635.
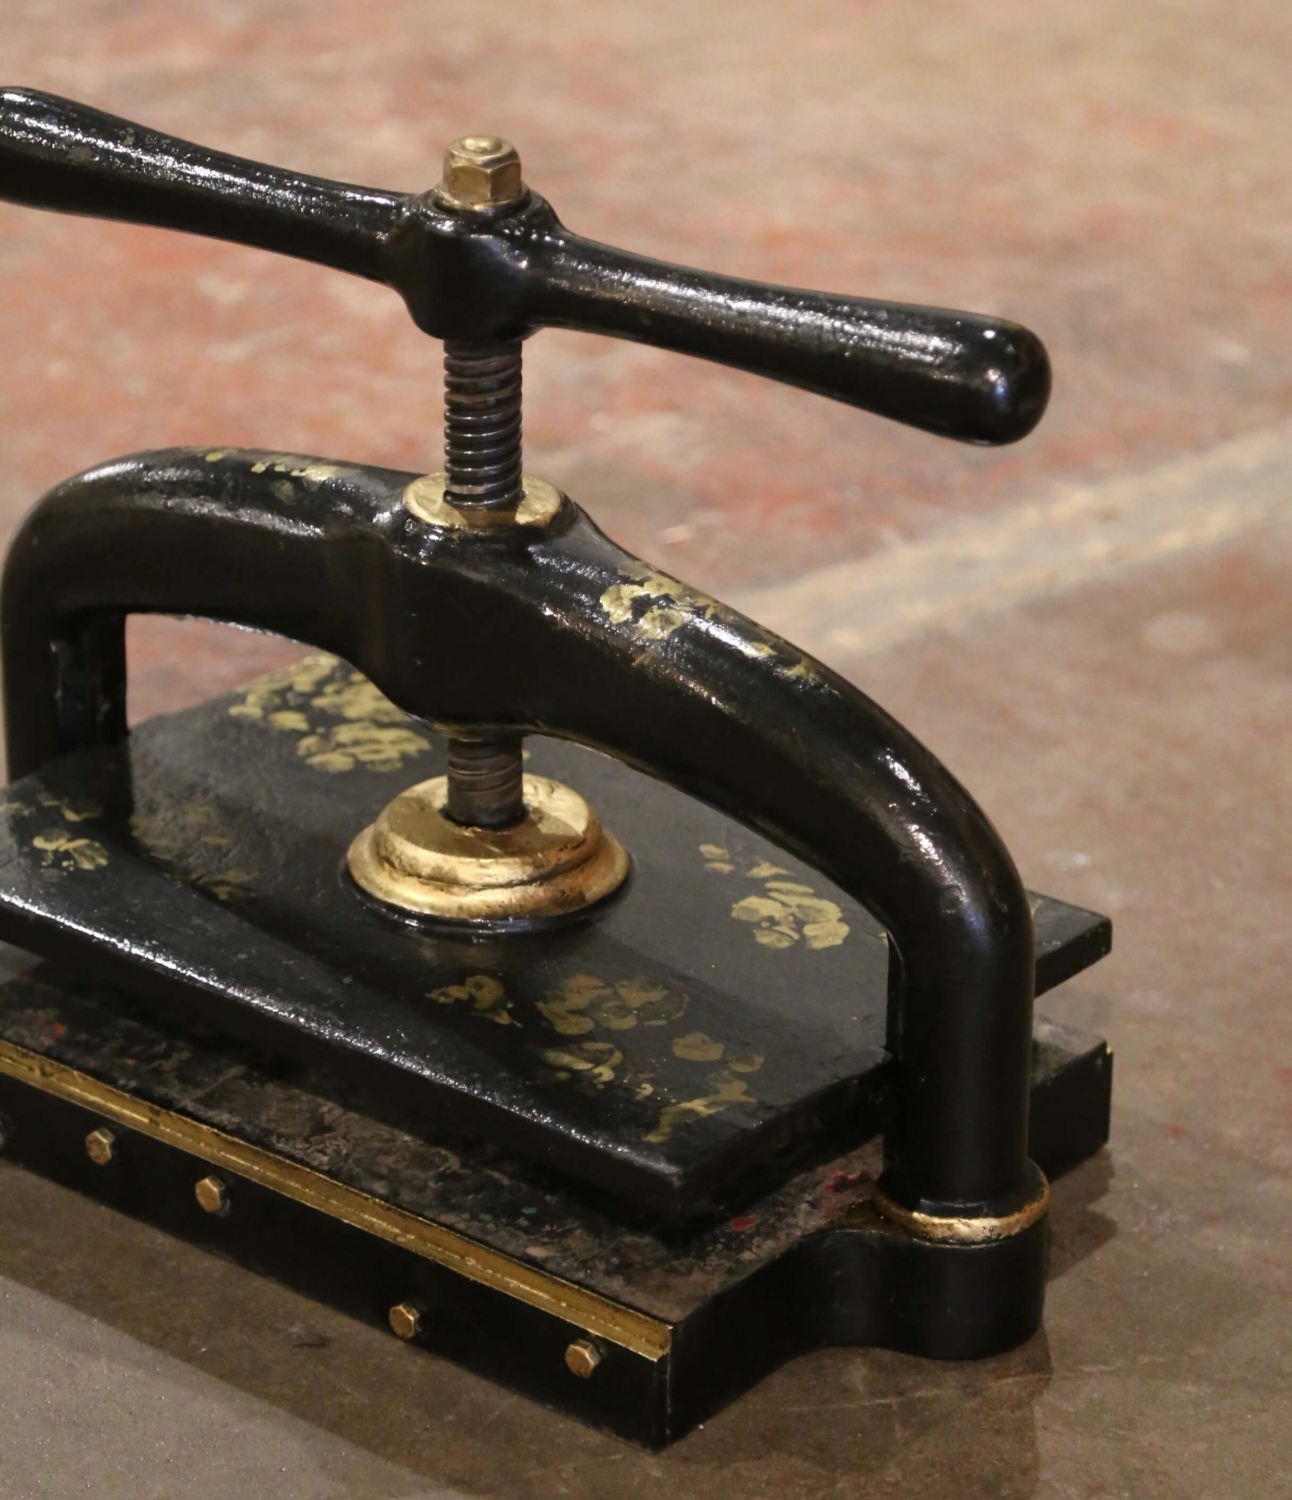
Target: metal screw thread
x=482, y=464
x=486, y=781
x=482, y=395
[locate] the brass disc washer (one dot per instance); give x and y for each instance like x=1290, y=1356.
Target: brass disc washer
x=557, y=861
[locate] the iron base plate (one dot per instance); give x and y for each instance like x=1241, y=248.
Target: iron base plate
x=506, y=1264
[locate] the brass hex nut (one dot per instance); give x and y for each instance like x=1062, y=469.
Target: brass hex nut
x=405, y=1320
x=481, y=171
x=212, y=1195
x=582, y=1358
x=101, y=1146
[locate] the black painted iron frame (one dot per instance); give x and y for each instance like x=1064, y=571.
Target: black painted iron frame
x=462, y=627
x=511, y=629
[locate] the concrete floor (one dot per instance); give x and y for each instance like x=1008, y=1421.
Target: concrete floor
x=1094, y=629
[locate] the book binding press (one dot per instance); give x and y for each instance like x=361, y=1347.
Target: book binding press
x=536, y=967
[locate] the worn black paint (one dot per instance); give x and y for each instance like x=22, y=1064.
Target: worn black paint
x=704, y=700
x=807, y=1265
x=473, y=276
x=290, y=955
x=719, y=707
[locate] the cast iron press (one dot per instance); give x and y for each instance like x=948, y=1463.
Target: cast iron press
x=567, y=1072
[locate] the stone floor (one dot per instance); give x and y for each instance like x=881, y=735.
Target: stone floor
x=1093, y=628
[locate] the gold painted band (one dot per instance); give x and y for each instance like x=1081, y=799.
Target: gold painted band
x=648, y=1337
x=963, y=1231
x=557, y=860
x=540, y=504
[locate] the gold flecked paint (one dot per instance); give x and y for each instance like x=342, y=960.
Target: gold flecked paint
x=669, y=604
x=634, y=1002
x=63, y=852
x=696, y=1046
x=485, y=995
x=595, y=1061
x=74, y=812
x=263, y=694
x=584, y=1002
x=299, y=700
x=725, y=1090
x=345, y=746
x=354, y=697
x=193, y=839
x=717, y=858
x=288, y=718
x=785, y=912
x=565, y=1010
x=316, y=474
x=658, y=623
x=617, y=601
x=299, y=468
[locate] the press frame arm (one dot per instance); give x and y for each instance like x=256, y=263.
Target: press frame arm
x=573, y=637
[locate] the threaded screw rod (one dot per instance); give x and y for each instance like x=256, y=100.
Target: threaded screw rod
x=482, y=468
x=482, y=424
x=486, y=787
x=482, y=464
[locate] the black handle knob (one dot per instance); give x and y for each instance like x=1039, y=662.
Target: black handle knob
x=468, y=274
x=958, y=374
x=64, y=156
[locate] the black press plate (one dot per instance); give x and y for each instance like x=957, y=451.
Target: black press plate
x=684, y=1048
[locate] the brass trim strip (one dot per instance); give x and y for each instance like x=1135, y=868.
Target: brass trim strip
x=643, y=1335
x=962, y=1231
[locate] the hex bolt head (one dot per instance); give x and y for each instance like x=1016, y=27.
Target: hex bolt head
x=480, y=171
x=582, y=1358
x=405, y=1321
x=212, y=1195
x=101, y=1146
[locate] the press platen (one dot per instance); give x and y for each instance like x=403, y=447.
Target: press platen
x=393, y=976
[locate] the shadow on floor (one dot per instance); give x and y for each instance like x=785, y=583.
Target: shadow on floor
x=919, y=1426
x=1077, y=1230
